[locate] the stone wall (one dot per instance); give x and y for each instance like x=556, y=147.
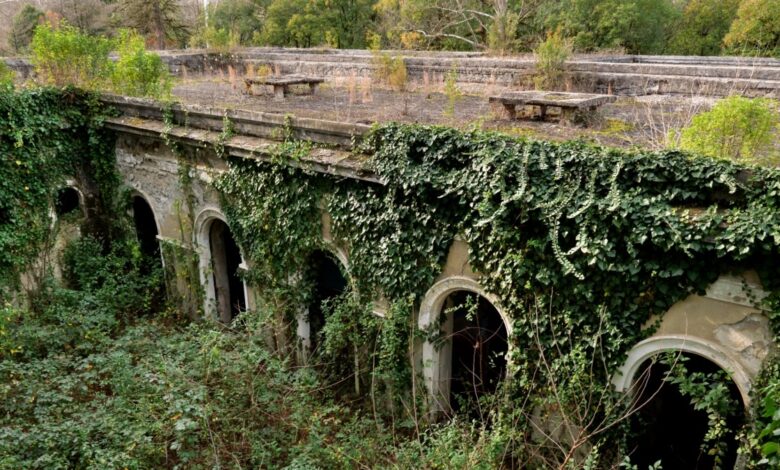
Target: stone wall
x=621, y=75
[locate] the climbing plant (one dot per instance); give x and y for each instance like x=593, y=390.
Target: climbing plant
x=601, y=239
x=46, y=137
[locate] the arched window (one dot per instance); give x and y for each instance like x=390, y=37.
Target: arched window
x=476, y=337
x=327, y=281
x=472, y=347
x=225, y=264
x=667, y=427
x=146, y=229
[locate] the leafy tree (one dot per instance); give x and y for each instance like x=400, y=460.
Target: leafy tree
x=158, y=19
x=293, y=23
x=639, y=26
x=24, y=24
x=756, y=29
x=306, y=23
x=703, y=26
x=241, y=18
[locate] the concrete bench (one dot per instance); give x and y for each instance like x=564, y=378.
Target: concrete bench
x=281, y=84
x=573, y=106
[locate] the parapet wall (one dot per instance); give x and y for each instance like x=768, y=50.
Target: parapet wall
x=620, y=75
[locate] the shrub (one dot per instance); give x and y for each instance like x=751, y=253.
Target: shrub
x=551, y=56
x=451, y=90
x=388, y=69
x=736, y=127
x=65, y=55
x=138, y=72
x=6, y=74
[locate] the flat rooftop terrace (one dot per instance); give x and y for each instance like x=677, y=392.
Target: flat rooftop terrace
x=630, y=121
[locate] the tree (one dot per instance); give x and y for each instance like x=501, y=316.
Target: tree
x=639, y=26
x=90, y=16
x=306, y=23
x=23, y=27
x=158, y=19
x=242, y=19
x=293, y=23
x=703, y=26
x=458, y=24
x=756, y=29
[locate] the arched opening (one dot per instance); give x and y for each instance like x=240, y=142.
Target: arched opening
x=667, y=426
x=328, y=281
x=146, y=231
x=476, y=336
x=225, y=264
x=68, y=201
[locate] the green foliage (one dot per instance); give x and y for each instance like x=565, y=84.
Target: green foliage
x=765, y=436
x=308, y=23
x=47, y=136
x=159, y=20
x=6, y=75
x=638, y=26
x=451, y=91
x=241, y=20
x=756, y=30
x=389, y=69
x=65, y=56
x=703, y=26
x=708, y=392
x=551, y=56
x=137, y=72
x=736, y=127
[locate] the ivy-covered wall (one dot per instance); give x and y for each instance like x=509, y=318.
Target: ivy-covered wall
x=48, y=137
x=586, y=248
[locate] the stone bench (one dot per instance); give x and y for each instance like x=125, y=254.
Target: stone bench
x=281, y=84
x=574, y=106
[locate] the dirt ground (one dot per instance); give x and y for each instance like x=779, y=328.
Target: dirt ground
x=644, y=121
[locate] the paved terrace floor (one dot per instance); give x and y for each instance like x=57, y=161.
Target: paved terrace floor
x=643, y=121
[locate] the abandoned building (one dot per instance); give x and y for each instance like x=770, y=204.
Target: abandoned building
x=720, y=329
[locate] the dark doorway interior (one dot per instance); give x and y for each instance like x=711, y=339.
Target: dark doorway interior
x=67, y=202
x=669, y=429
x=225, y=262
x=146, y=231
x=327, y=281
x=479, y=346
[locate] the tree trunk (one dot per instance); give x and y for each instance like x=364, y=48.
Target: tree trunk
x=159, y=25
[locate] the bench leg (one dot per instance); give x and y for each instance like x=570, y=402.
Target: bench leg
x=313, y=87
x=279, y=92
x=249, y=89
x=542, y=112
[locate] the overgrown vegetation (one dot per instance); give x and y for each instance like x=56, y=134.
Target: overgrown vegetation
x=706, y=27
x=551, y=57
x=582, y=245
x=737, y=128
x=64, y=55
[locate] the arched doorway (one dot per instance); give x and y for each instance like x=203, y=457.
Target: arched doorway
x=328, y=281
x=68, y=201
x=225, y=264
x=146, y=231
x=476, y=335
x=667, y=427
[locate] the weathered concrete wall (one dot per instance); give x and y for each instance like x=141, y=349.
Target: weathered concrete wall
x=622, y=75
x=723, y=325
